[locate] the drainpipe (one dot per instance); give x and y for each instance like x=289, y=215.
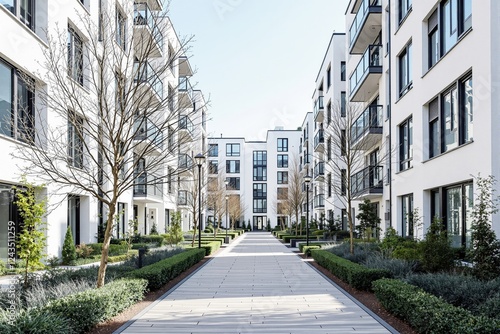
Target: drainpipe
x=389, y=111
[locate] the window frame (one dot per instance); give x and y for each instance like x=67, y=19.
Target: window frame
x=213, y=150
x=406, y=144
x=404, y=9
x=282, y=177
x=405, y=73
x=282, y=160
x=233, y=183
x=230, y=150
x=121, y=28
x=282, y=145
x=75, y=55
x=75, y=141
x=230, y=164
x=343, y=71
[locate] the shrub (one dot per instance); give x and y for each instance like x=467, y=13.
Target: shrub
x=397, y=267
x=114, y=249
x=153, y=256
x=162, y=272
x=490, y=308
x=35, y=322
x=436, y=251
x=3, y=268
x=53, y=261
x=68, y=250
x=307, y=249
x=428, y=313
x=175, y=236
x=358, y=276
x=38, y=295
x=156, y=239
x=406, y=254
x=86, y=309
x=83, y=251
x=361, y=251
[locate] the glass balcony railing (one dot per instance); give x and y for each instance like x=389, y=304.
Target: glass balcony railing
x=360, y=18
x=143, y=16
x=184, y=197
x=185, y=161
x=319, y=138
x=186, y=124
x=185, y=86
x=371, y=118
x=319, y=169
x=144, y=73
x=371, y=58
x=318, y=106
x=147, y=185
x=144, y=129
x=367, y=179
x=319, y=201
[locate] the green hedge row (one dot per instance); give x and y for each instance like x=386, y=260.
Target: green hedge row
x=160, y=273
x=428, y=313
x=113, y=249
x=86, y=309
x=307, y=249
x=314, y=243
x=210, y=247
x=358, y=276
x=287, y=238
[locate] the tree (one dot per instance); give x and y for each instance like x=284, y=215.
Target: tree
x=31, y=241
x=217, y=196
x=175, y=235
x=113, y=117
x=484, y=251
x=235, y=208
x=349, y=144
x=368, y=219
x=295, y=195
x=69, y=249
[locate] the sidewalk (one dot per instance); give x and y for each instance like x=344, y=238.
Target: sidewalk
x=255, y=285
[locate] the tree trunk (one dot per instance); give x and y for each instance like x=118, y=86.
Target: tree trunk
x=195, y=227
x=101, y=274
x=351, y=227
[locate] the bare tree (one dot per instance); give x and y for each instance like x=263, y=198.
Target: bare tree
x=236, y=208
x=108, y=118
x=354, y=133
x=216, y=196
x=295, y=198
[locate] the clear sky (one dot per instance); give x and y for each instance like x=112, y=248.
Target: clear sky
x=257, y=60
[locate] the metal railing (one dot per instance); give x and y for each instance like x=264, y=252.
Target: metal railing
x=144, y=73
x=371, y=57
x=186, y=124
x=144, y=129
x=185, y=161
x=147, y=185
x=319, y=169
x=143, y=16
x=319, y=201
x=366, y=179
x=372, y=117
x=361, y=17
x=185, y=86
x=319, y=138
x=318, y=106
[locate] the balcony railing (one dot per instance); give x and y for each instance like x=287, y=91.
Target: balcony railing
x=319, y=169
x=371, y=118
x=360, y=18
x=318, y=107
x=147, y=185
x=185, y=86
x=367, y=180
x=144, y=73
x=371, y=58
x=185, y=161
x=186, y=124
x=143, y=16
x=184, y=197
x=319, y=138
x=144, y=129
x=319, y=201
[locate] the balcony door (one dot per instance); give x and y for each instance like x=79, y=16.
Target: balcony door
x=74, y=217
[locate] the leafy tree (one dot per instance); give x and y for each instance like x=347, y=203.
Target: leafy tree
x=369, y=220
x=436, y=253
x=485, y=247
x=31, y=240
x=175, y=236
x=154, y=230
x=69, y=249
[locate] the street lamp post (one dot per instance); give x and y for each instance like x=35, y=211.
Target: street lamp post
x=307, y=179
x=227, y=197
x=200, y=159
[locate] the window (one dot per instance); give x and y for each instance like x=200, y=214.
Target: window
x=282, y=144
x=259, y=190
x=329, y=113
x=232, y=166
x=232, y=150
x=329, y=184
x=328, y=77
x=75, y=56
x=120, y=94
x=451, y=118
x=282, y=177
x=343, y=182
x=121, y=28
x=282, y=160
x=282, y=194
x=406, y=144
x=24, y=10
x=260, y=166
x=213, y=150
x=329, y=148
x=342, y=71
x=233, y=183
x=405, y=70
x=75, y=140
x=260, y=205
x=16, y=114
x=343, y=142
x=343, y=102
x=171, y=142
x=213, y=167
x=445, y=27
x=169, y=179
x=260, y=173
x=458, y=205
x=404, y=9
x=407, y=215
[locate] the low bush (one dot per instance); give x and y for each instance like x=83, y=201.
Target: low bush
x=428, y=313
x=114, y=249
x=119, y=258
x=490, y=308
x=159, y=240
x=143, y=245
x=287, y=238
x=314, y=243
x=361, y=250
x=358, y=276
x=307, y=249
x=154, y=256
x=83, y=251
x=86, y=309
x=397, y=267
x=162, y=272
x=34, y=322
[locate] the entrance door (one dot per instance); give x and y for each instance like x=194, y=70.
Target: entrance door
x=258, y=223
x=74, y=217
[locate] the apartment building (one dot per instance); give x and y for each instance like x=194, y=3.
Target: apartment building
x=257, y=175
x=149, y=84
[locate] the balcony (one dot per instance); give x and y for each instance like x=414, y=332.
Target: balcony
x=319, y=201
x=147, y=188
x=366, y=26
x=367, y=183
x=156, y=5
x=185, y=164
x=186, y=99
x=319, y=171
x=184, y=198
x=363, y=82
x=366, y=131
x=319, y=142
x=150, y=89
x=319, y=110
x=148, y=39
x=148, y=136
x=186, y=129
x=185, y=69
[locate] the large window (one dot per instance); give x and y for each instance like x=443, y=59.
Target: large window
x=407, y=215
x=451, y=118
x=329, y=113
x=24, y=10
x=75, y=56
x=342, y=71
x=232, y=150
x=282, y=177
x=406, y=144
x=282, y=144
x=343, y=103
x=233, y=183
x=282, y=160
x=282, y=194
x=458, y=205
x=232, y=166
x=343, y=182
x=16, y=114
x=75, y=140
x=213, y=166
x=404, y=9
x=329, y=148
x=260, y=173
x=213, y=150
x=329, y=184
x=328, y=77
x=260, y=166
x=405, y=70
x=260, y=205
x=259, y=190
x=121, y=28
x=446, y=25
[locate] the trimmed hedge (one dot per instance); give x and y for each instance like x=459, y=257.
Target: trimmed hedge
x=286, y=238
x=314, y=243
x=160, y=273
x=113, y=249
x=307, y=249
x=86, y=309
x=358, y=276
x=428, y=313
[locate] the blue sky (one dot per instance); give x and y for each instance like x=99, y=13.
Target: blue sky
x=257, y=60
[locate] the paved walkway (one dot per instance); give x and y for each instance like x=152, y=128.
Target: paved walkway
x=255, y=285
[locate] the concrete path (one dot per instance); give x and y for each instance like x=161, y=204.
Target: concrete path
x=255, y=285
